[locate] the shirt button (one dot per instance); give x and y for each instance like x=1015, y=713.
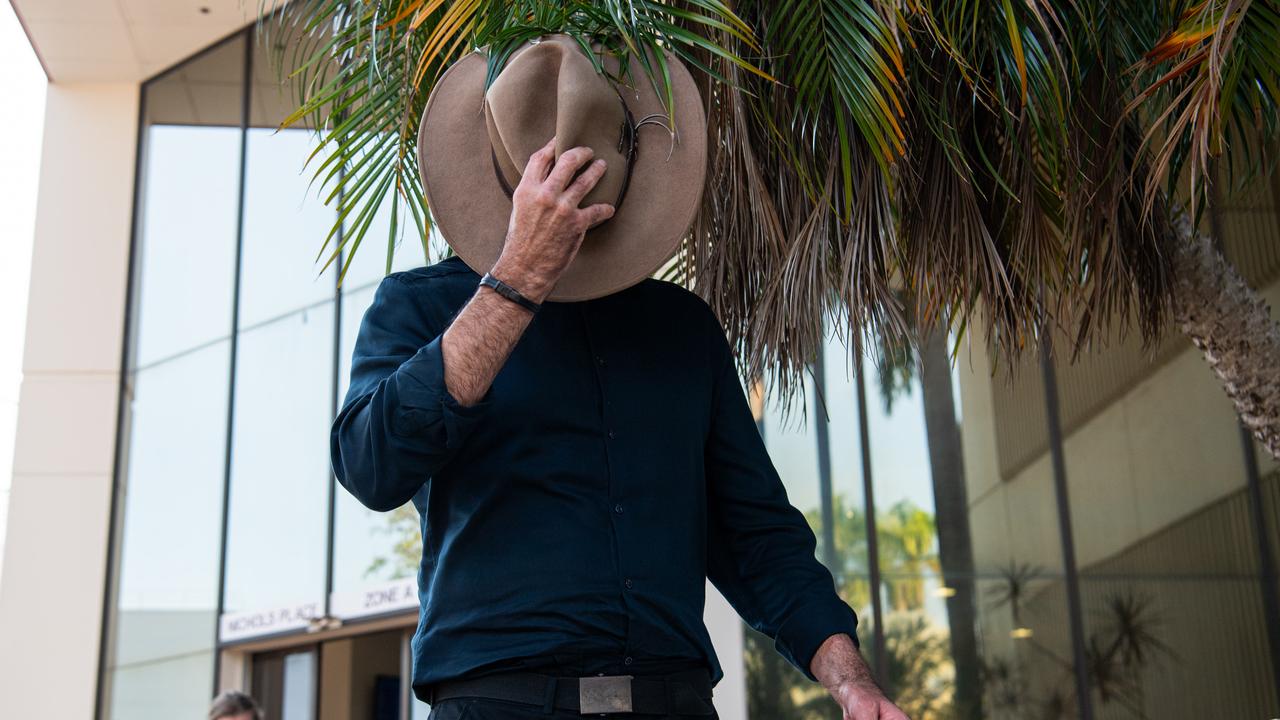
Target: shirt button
x=626, y=660
x=612, y=434
x=628, y=583
x=600, y=361
x=618, y=508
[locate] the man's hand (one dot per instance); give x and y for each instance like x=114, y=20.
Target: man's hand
x=547, y=226
x=843, y=672
x=544, y=235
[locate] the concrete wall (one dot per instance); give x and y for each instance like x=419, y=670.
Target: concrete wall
x=55, y=553
x=1163, y=452
x=1167, y=448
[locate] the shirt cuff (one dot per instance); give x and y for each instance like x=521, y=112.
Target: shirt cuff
x=804, y=631
x=426, y=405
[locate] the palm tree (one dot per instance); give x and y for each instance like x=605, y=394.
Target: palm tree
x=907, y=538
x=1045, y=161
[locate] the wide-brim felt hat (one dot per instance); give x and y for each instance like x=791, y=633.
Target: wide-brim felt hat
x=474, y=140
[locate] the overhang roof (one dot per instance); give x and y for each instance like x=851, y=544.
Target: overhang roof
x=125, y=40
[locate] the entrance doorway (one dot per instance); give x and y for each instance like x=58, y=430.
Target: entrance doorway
x=285, y=683
x=361, y=677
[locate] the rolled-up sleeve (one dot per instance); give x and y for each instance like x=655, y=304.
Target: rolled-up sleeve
x=761, y=551
x=398, y=424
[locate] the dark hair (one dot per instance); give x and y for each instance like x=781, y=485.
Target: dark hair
x=234, y=702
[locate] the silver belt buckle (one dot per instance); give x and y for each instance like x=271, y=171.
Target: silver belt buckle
x=604, y=694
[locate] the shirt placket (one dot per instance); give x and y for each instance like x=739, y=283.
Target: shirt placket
x=614, y=500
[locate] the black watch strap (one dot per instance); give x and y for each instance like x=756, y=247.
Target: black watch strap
x=509, y=293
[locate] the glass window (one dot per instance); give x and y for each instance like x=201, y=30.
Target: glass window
x=371, y=548
x=367, y=269
x=848, y=507
x=1165, y=544
x=276, y=537
x=280, y=480
x=163, y=622
x=774, y=687
x=370, y=262
x=285, y=218
x=285, y=684
x=931, y=663
x=188, y=231
x=1019, y=589
x=165, y=625
x=284, y=226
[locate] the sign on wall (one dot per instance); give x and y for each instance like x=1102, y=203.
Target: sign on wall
x=394, y=596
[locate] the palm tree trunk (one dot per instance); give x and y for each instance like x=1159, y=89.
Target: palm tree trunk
x=1231, y=324
x=951, y=506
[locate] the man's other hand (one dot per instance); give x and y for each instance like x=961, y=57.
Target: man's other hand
x=840, y=668
x=547, y=226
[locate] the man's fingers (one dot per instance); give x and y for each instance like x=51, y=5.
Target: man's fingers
x=566, y=165
x=540, y=163
x=598, y=213
x=587, y=180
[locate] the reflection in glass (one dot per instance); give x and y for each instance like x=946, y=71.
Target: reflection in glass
x=279, y=494
x=930, y=663
x=1165, y=544
x=775, y=688
x=285, y=684
x=369, y=263
x=299, y=687
x=284, y=226
x=371, y=547
x=851, y=570
x=276, y=536
x=162, y=622
x=188, y=237
x=1026, y=660
x=165, y=623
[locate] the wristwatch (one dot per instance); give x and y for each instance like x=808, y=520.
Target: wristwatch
x=509, y=293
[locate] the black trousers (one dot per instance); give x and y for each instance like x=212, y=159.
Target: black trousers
x=468, y=708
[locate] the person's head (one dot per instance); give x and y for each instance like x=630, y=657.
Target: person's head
x=234, y=705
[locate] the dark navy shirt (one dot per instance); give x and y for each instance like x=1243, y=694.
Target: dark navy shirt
x=573, y=515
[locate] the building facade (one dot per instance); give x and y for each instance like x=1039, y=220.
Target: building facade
x=175, y=527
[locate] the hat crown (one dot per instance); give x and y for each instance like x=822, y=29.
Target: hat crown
x=551, y=88
x=474, y=124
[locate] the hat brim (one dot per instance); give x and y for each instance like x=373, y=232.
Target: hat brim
x=472, y=211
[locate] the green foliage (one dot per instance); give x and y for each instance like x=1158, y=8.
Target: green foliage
x=907, y=539
x=868, y=158
x=363, y=70
x=405, y=552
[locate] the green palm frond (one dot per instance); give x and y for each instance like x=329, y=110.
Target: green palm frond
x=1012, y=165
x=363, y=69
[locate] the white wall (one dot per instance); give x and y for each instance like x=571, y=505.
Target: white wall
x=23, y=86
x=55, y=555
x=725, y=628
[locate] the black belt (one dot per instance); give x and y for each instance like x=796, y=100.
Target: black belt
x=682, y=693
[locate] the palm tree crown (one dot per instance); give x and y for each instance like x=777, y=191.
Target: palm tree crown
x=879, y=165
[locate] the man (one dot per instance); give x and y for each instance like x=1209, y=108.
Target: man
x=573, y=435
x=234, y=705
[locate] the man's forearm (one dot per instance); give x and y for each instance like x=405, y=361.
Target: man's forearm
x=840, y=668
x=838, y=661
x=544, y=235
x=478, y=342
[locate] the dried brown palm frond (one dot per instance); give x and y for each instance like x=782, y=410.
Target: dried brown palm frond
x=1008, y=162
